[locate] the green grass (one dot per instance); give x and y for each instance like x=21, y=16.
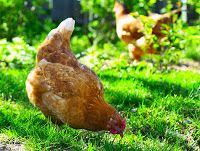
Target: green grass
x=161, y=107
x=162, y=112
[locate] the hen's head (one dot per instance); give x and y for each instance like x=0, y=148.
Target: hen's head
x=117, y=125
x=120, y=9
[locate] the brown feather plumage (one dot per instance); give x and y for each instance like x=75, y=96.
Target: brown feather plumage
x=65, y=90
x=129, y=29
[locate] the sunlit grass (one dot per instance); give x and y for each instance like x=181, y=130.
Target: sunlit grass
x=162, y=112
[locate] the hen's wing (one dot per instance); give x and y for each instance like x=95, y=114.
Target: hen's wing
x=67, y=81
x=60, y=78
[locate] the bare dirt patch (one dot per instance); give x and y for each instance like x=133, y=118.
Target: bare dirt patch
x=13, y=144
x=12, y=147
x=187, y=65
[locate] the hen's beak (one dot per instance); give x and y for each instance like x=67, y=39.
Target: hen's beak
x=121, y=133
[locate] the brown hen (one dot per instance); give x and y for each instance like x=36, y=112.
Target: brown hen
x=67, y=91
x=129, y=29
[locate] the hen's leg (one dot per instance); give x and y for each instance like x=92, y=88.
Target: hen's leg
x=135, y=52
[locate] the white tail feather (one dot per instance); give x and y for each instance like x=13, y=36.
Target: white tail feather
x=67, y=24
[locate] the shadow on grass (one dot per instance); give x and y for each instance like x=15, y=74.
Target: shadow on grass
x=124, y=99
x=162, y=87
x=12, y=85
x=4, y=121
x=158, y=90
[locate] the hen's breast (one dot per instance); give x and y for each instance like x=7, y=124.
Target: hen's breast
x=126, y=19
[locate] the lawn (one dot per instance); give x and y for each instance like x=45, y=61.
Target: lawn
x=162, y=110
x=159, y=97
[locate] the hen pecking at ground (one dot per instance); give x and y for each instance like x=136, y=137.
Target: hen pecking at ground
x=129, y=29
x=67, y=91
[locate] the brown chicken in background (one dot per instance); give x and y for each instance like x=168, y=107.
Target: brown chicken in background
x=67, y=91
x=129, y=29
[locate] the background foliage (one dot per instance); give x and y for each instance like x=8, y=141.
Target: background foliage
x=102, y=29
x=16, y=54
x=20, y=18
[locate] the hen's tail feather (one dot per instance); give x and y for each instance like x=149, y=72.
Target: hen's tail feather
x=66, y=27
x=176, y=11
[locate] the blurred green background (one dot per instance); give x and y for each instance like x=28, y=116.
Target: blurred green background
x=31, y=20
